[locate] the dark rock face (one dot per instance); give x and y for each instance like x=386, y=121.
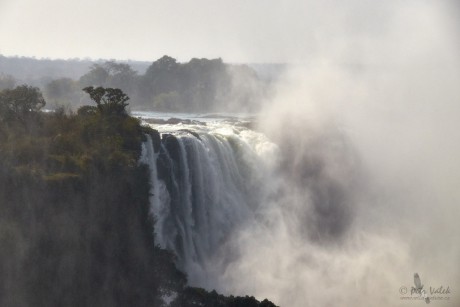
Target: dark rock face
x=172, y=146
x=156, y=140
x=168, y=160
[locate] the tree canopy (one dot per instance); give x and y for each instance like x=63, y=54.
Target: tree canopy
x=20, y=104
x=110, y=101
x=200, y=85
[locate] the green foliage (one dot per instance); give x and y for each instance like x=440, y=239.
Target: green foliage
x=160, y=77
x=198, y=85
x=112, y=75
x=62, y=91
x=120, y=75
x=201, y=85
x=20, y=105
x=110, y=101
x=87, y=111
x=97, y=76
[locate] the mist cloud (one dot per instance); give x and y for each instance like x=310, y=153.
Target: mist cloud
x=375, y=143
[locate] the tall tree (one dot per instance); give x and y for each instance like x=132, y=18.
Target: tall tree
x=97, y=76
x=110, y=101
x=20, y=104
x=160, y=77
x=62, y=91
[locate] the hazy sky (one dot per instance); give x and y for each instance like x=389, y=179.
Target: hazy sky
x=236, y=30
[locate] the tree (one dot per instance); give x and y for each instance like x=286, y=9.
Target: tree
x=97, y=76
x=110, y=101
x=20, y=104
x=62, y=91
x=111, y=74
x=160, y=77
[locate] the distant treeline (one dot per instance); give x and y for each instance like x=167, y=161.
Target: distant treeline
x=200, y=85
x=39, y=72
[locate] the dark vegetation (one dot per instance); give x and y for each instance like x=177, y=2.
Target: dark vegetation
x=200, y=85
x=75, y=228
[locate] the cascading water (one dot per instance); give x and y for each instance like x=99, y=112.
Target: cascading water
x=206, y=182
x=247, y=214
x=292, y=216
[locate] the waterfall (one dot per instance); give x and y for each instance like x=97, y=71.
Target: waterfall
x=206, y=182
x=294, y=216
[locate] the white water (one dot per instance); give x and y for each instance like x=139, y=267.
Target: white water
x=299, y=222
x=215, y=187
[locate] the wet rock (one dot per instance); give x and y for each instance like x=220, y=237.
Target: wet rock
x=156, y=140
